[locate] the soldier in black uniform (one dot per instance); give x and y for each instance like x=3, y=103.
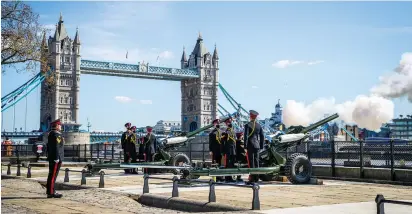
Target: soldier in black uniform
x=229, y=147
x=254, y=140
x=123, y=141
x=149, y=144
x=240, y=152
x=131, y=143
x=215, y=145
x=55, y=156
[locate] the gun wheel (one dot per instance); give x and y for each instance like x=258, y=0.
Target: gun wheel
x=298, y=169
x=179, y=159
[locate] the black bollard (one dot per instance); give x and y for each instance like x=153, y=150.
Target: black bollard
x=9, y=169
x=380, y=206
x=175, y=190
x=212, y=194
x=83, y=181
x=18, y=170
x=29, y=172
x=255, y=200
x=146, y=184
x=101, y=182
x=66, y=175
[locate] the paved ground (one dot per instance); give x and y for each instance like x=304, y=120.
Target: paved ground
x=275, y=197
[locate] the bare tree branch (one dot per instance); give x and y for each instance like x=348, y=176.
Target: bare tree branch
x=21, y=37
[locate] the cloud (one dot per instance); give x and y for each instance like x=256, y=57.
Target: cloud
x=146, y=102
x=123, y=99
x=254, y=87
x=287, y=63
x=315, y=62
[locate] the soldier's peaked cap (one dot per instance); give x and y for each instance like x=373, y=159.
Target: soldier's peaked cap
x=127, y=124
x=253, y=113
x=56, y=122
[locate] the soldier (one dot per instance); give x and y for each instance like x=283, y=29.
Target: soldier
x=149, y=144
x=215, y=145
x=55, y=156
x=254, y=139
x=123, y=141
x=131, y=143
x=229, y=147
x=240, y=152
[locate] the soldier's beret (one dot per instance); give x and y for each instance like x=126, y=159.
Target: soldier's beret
x=149, y=128
x=253, y=113
x=127, y=124
x=133, y=128
x=239, y=134
x=216, y=121
x=228, y=120
x=56, y=122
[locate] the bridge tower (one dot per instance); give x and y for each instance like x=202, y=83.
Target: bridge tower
x=60, y=100
x=199, y=96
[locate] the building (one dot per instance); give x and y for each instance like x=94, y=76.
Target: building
x=60, y=93
x=401, y=128
x=199, y=96
x=165, y=127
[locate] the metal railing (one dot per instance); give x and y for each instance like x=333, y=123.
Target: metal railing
x=212, y=194
x=380, y=203
x=385, y=154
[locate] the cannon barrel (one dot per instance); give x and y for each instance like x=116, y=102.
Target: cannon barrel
x=197, y=131
x=313, y=126
x=178, y=141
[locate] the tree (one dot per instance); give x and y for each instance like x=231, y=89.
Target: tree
x=21, y=36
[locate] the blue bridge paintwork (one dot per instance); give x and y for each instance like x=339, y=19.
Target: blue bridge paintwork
x=136, y=70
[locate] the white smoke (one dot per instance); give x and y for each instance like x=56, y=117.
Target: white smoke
x=365, y=111
x=399, y=83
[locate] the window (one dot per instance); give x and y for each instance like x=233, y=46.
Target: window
x=61, y=100
x=70, y=100
x=65, y=116
x=61, y=82
x=66, y=100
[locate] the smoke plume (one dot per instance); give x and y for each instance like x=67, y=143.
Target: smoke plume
x=365, y=111
x=398, y=83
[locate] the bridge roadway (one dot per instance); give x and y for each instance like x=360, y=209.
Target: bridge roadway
x=276, y=197
x=141, y=70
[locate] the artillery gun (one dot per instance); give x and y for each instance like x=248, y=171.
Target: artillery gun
x=297, y=167
x=164, y=161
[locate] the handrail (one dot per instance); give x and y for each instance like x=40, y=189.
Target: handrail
x=380, y=203
x=212, y=194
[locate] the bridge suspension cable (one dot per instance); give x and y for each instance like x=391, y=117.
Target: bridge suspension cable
x=18, y=94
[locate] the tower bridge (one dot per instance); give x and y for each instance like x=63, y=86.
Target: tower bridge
x=198, y=76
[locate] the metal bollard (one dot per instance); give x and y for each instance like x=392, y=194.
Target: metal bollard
x=18, y=170
x=29, y=172
x=101, y=182
x=66, y=175
x=146, y=184
x=9, y=169
x=212, y=194
x=83, y=181
x=255, y=200
x=175, y=190
x=380, y=206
